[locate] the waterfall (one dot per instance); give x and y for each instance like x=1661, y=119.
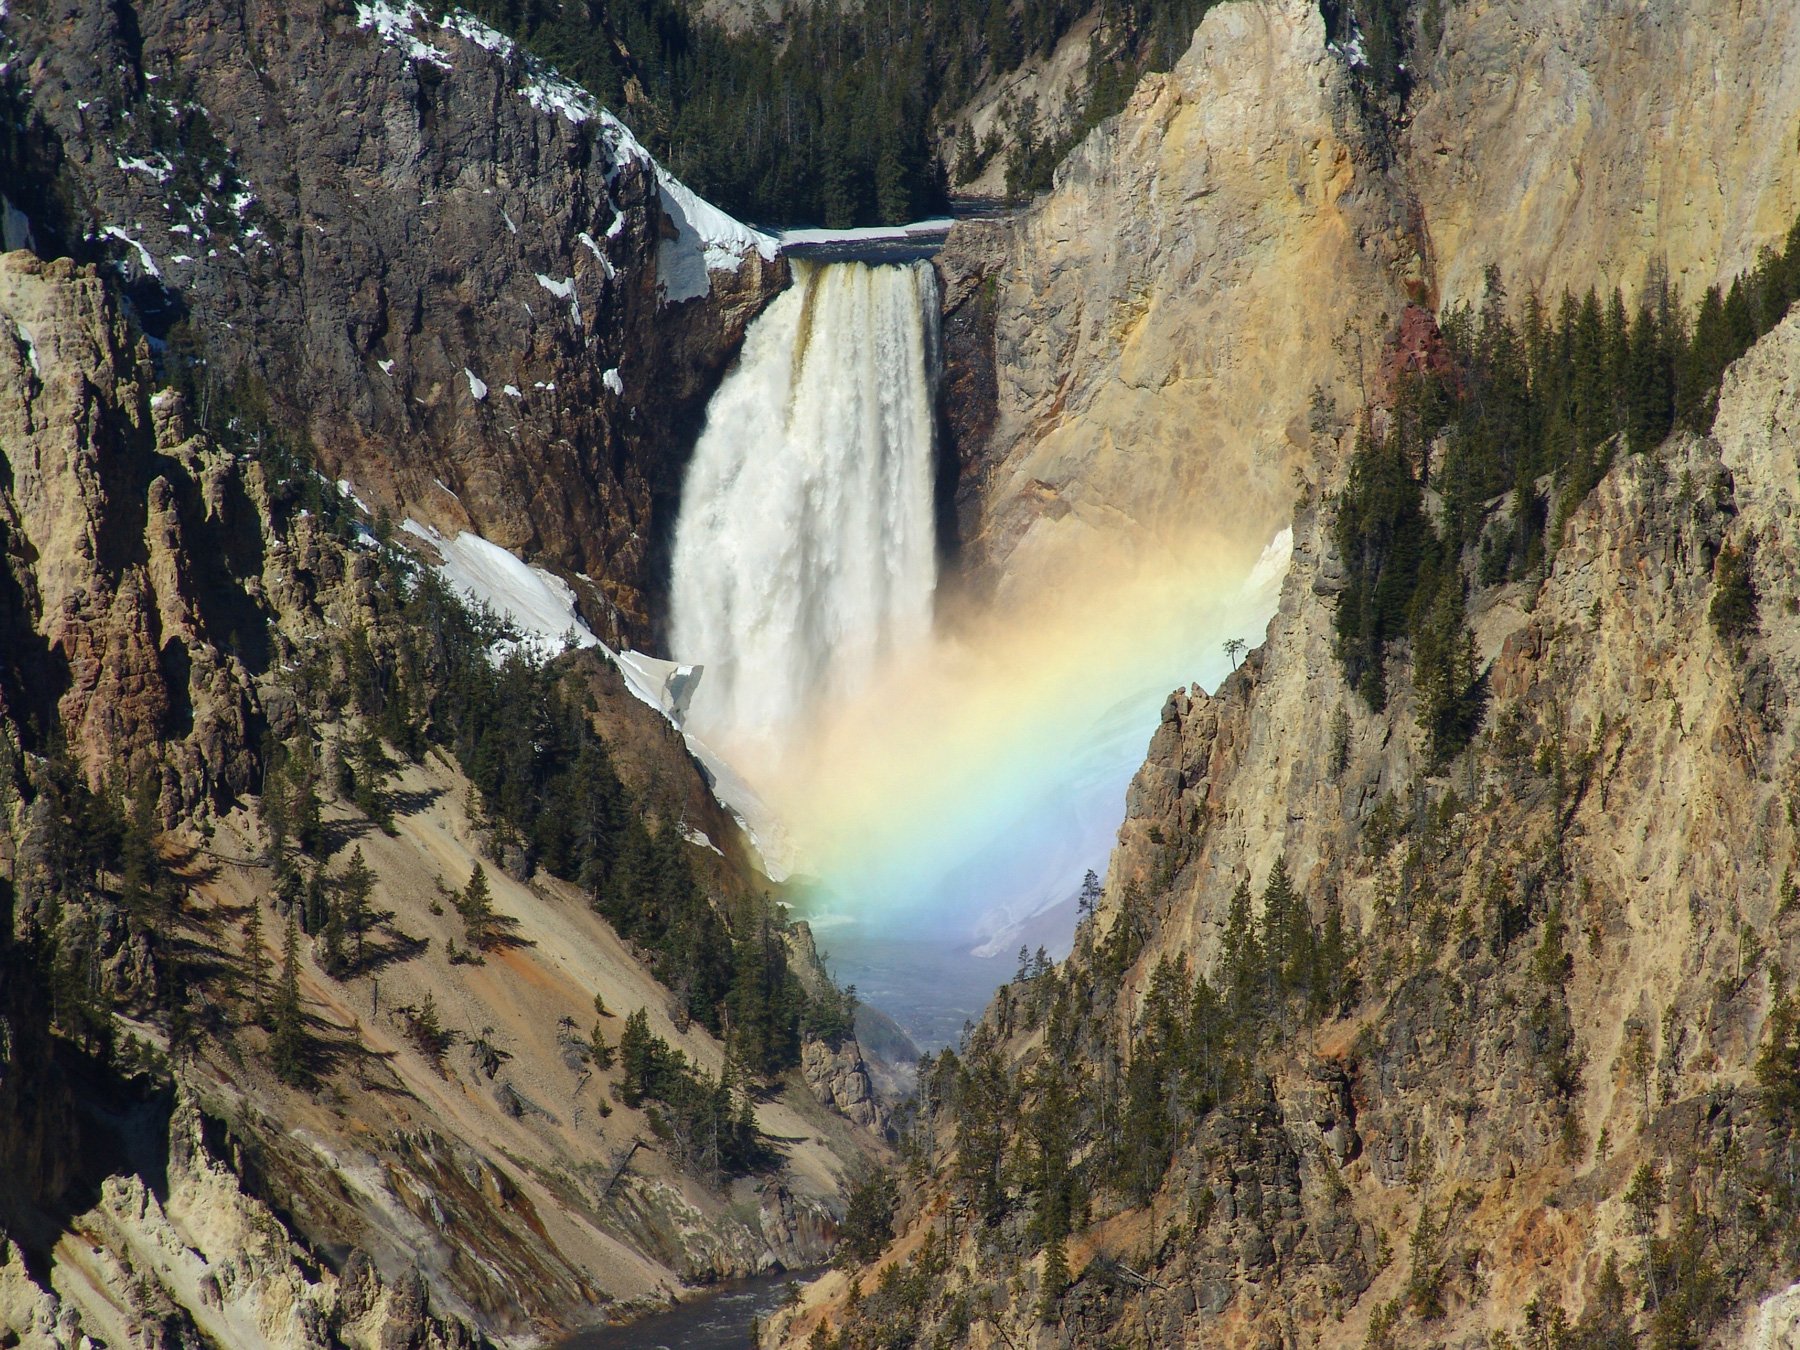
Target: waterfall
x=805, y=550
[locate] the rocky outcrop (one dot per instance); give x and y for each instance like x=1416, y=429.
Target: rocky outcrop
x=1573, y=144
x=195, y=1261
x=1157, y=324
x=402, y=1199
x=126, y=622
x=840, y=1079
x=477, y=294
x=1150, y=346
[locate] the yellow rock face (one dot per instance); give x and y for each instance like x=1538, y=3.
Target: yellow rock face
x=1240, y=237
x=1167, y=310
x=1573, y=143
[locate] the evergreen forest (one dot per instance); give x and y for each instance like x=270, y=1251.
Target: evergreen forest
x=843, y=114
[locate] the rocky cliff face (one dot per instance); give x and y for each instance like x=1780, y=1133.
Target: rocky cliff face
x=1537, y=1113
x=478, y=295
x=116, y=634
x=1570, y=943
x=1161, y=319
x=1148, y=347
x=1572, y=144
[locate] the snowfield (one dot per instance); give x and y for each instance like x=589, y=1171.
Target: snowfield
x=540, y=608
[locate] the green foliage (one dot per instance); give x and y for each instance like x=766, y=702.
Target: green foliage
x=1055, y=1279
x=287, y=1036
x=826, y=120
x=1506, y=405
x=1338, y=748
x=708, y=1128
x=1778, y=1064
x=427, y=1031
x=475, y=903
x=869, y=1217
x=1381, y=534
x=256, y=962
x=830, y=1016
x=1426, y=1279
x=101, y=878
x=1733, y=609
x=550, y=798
x=599, y=1052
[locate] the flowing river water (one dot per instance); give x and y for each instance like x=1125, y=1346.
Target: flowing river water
x=720, y=1319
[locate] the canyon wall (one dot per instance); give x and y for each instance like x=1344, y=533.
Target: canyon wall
x=486, y=305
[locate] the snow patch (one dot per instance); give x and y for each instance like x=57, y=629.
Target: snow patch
x=394, y=24
x=700, y=837
x=550, y=93
x=537, y=606
x=594, y=248
x=612, y=381
x=31, y=354
x=158, y=168
x=243, y=201
x=509, y=221
x=348, y=493
x=387, y=366
x=477, y=386
x=471, y=29
x=512, y=391
x=563, y=290
x=149, y=263
x=706, y=241
x=1354, y=54
x=873, y=234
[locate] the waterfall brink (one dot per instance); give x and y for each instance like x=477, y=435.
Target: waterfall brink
x=805, y=552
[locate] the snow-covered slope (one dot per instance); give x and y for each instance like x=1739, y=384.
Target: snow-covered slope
x=538, y=608
x=706, y=239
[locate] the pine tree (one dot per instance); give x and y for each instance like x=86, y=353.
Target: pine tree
x=370, y=767
x=427, y=1031
x=1240, y=957
x=256, y=959
x=476, y=905
x=315, y=903
x=637, y=1060
x=286, y=1038
x=1283, y=926
x=138, y=863
x=305, y=811
x=1055, y=1280
x=354, y=889
x=599, y=1051
x=1331, y=962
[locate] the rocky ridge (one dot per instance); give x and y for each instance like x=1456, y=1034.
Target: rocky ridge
x=161, y=592
x=486, y=304
x=1147, y=349
x=1157, y=324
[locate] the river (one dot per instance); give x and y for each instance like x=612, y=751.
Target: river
x=717, y=1320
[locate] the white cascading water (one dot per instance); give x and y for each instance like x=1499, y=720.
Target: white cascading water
x=805, y=551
